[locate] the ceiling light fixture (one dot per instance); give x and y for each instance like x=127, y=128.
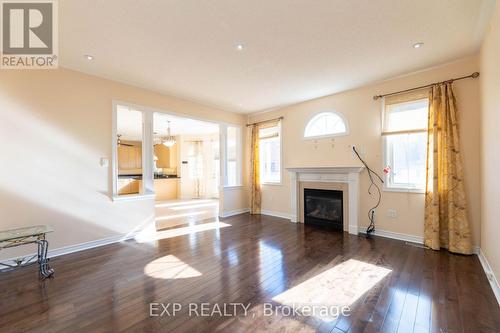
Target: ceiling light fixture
x=88, y=57
x=418, y=45
x=169, y=140
x=240, y=46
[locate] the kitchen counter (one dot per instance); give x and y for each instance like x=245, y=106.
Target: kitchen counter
x=158, y=176
x=136, y=177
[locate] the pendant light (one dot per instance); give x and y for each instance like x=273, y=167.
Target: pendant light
x=169, y=140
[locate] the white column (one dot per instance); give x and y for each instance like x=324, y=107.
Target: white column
x=353, y=180
x=222, y=161
x=294, y=206
x=147, y=153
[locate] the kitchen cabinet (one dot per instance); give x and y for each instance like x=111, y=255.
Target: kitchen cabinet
x=166, y=188
x=129, y=157
x=128, y=186
x=167, y=157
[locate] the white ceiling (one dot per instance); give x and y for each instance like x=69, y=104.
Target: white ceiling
x=294, y=50
x=129, y=125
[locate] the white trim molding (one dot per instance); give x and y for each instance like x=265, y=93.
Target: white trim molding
x=79, y=247
x=234, y=212
x=349, y=175
x=286, y=216
x=404, y=237
x=490, y=275
x=395, y=235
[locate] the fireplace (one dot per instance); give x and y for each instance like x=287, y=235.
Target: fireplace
x=344, y=179
x=324, y=208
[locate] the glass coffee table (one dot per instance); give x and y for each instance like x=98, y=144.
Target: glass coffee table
x=23, y=236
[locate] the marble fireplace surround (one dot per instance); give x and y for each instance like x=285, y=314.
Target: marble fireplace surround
x=345, y=179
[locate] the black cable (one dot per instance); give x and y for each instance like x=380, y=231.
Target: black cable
x=371, y=212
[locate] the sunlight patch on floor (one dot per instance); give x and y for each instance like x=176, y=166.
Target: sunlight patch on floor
x=170, y=267
x=339, y=286
x=150, y=234
x=194, y=206
x=181, y=203
x=176, y=216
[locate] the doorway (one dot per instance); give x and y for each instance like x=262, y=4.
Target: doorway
x=186, y=169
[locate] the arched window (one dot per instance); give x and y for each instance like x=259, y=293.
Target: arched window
x=326, y=124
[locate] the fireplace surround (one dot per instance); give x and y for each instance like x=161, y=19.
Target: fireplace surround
x=345, y=179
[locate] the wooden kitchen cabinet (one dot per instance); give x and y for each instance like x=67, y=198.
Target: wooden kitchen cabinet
x=129, y=158
x=166, y=188
x=163, y=155
x=128, y=186
x=167, y=157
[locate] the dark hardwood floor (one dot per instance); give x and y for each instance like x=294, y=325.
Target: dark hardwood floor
x=389, y=286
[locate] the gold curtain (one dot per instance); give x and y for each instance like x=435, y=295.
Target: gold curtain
x=256, y=194
x=446, y=223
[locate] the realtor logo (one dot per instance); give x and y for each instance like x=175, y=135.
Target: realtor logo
x=29, y=34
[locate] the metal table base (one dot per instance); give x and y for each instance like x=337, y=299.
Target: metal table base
x=23, y=237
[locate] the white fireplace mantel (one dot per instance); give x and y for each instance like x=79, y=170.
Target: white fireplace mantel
x=348, y=175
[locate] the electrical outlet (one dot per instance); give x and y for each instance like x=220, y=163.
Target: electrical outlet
x=392, y=213
x=352, y=151
x=362, y=151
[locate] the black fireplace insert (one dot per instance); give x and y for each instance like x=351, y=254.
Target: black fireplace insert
x=324, y=208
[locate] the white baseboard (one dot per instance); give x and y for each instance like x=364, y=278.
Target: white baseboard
x=234, y=212
x=490, y=275
x=88, y=245
x=78, y=247
x=353, y=229
x=395, y=235
x=276, y=214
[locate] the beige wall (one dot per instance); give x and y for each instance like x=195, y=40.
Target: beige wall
x=55, y=126
x=364, y=118
x=490, y=143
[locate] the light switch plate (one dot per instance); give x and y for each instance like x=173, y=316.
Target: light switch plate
x=104, y=162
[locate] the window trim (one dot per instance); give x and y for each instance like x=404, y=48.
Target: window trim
x=325, y=136
x=280, y=182
x=385, y=135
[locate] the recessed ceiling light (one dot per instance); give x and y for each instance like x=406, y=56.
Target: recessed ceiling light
x=240, y=46
x=418, y=45
x=88, y=57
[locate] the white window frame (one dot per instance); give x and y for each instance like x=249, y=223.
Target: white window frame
x=280, y=182
x=239, y=156
x=325, y=136
x=387, y=177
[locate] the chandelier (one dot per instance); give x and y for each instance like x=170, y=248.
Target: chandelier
x=168, y=140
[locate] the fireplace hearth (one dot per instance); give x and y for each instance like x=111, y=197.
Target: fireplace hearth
x=324, y=208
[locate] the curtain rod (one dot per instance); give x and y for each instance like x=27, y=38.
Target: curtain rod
x=473, y=75
x=266, y=121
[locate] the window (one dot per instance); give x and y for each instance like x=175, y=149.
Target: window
x=233, y=156
x=326, y=124
x=405, y=141
x=195, y=160
x=270, y=154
